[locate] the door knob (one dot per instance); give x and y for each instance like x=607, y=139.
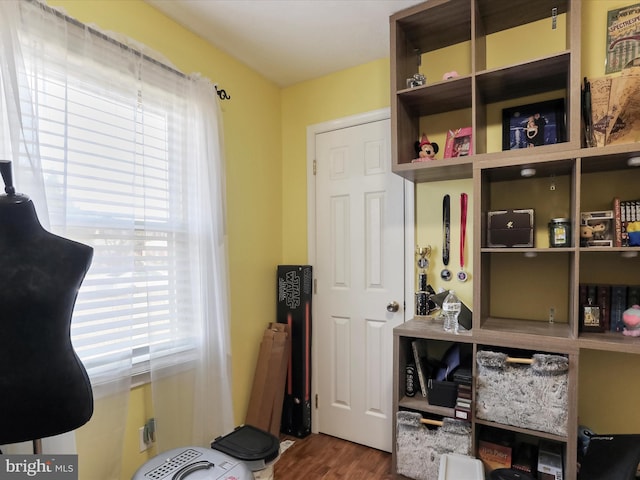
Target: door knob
x=393, y=306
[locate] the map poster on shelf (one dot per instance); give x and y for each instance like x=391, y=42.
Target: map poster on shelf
x=615, y=107
x=623, y=38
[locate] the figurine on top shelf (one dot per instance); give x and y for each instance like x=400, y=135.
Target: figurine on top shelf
x=425, y=150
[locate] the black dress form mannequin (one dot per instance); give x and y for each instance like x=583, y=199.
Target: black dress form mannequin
x=44, y=388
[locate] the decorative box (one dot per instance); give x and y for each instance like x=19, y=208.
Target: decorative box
x=442, y=393
x=510, y=228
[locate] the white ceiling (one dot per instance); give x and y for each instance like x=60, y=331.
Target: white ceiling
x=289, y=41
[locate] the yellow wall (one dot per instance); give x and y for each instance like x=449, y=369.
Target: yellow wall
x=265, y=135
x=356, y=90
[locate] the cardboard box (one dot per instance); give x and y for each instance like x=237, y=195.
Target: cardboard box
x=267, y=393
x=510, y=228
x=550, y=461
x=280, y=357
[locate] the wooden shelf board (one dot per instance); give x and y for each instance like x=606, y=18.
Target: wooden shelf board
x=421, y=404
x=526, y=431
x=497, y=166
x=437, y=97
x=431, y=328
x=449, y=23
x=437, y=170
x=518, y=158
x=588, y=250
x=556, y=158
x=524, y=250
x=610, y=157
x=495, y=17
x=536, y=76
x=609, y=341
x=527, y=334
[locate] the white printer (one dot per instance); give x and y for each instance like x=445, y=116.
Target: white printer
x=232, y=457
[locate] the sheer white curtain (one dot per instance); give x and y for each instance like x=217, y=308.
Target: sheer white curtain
x=128, y=156
x=194, y=388
x=18, y=142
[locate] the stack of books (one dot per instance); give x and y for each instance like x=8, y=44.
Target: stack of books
x=463, y=378
x=626, y=213
x=613, y=300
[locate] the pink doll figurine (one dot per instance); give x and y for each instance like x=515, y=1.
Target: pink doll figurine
x=631, y=320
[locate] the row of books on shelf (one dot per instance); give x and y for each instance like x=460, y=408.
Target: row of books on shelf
x=626, y=215
x=602, y=306
x=462, y=409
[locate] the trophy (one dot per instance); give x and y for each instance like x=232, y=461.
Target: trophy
x=424, y=303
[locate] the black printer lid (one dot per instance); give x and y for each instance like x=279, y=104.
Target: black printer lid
x=509, y=474
x=248, y=443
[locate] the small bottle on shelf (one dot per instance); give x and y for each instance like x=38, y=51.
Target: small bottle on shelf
x=451, y=310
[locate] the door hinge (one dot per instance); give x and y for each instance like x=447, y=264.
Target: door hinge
x=315, y=286
x=315, y=167
x=316, y=401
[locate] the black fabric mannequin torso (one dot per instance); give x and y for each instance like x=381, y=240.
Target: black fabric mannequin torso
x=44, y=388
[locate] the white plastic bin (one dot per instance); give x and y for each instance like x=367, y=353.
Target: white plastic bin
x=460, y=467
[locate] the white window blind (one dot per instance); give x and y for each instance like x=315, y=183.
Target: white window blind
x=111, y=130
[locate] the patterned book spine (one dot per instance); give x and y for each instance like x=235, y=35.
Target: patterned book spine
x=633, y=295
x=624, y=220
x=604, y=302
x=617, y=223
x=618, y=305
x=582, y=300
x=420, y=357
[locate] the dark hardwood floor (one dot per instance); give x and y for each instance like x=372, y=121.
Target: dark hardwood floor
x=322, y=457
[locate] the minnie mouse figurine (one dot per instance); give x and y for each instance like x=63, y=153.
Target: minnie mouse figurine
x=425, y=150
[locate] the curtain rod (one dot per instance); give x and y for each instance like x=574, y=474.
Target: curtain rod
x=221, y=93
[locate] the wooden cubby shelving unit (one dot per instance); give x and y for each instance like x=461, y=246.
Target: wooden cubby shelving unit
x=438, y=24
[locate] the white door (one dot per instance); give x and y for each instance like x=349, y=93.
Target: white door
x=359, y=270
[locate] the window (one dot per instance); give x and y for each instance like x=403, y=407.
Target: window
x=115, y=137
